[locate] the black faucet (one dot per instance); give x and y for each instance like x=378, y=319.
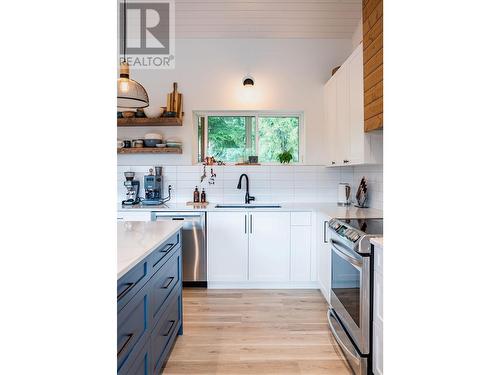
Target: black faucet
x=248, y=198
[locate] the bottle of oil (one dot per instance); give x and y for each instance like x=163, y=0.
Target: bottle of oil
x=203, y=196
x=196, y=195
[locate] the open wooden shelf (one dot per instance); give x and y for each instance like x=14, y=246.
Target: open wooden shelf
x=150, y=150
x=144, y=121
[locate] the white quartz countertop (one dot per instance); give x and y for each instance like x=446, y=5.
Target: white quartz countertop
x=377, y=241
x=138, y=239
x=330, y=209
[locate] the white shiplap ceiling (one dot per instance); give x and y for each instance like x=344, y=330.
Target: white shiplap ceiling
x=266, y=18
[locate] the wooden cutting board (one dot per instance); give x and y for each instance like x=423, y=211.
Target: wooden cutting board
x=174, y=102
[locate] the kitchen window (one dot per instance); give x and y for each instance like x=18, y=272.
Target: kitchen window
x=233, y=137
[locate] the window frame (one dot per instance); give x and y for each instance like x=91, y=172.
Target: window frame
x=257, y=114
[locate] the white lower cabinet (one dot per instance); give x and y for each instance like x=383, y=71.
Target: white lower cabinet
x=378, y=293
x=378, y=312
x=227, y=246
x=324, y=263
x=378, y=348
x=269, y=246
x=300, y=253
x=260, y=248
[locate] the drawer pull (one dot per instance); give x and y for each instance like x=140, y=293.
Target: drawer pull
x=169, y=247
x=164, y=251
x=125, y=291
x=169, y=282
x=169, y=328
x=129, y=339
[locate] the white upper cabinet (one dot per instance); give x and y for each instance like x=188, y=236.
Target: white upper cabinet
x=330, y=104
x=356, y=108
x=344, y=116
x=342, y=131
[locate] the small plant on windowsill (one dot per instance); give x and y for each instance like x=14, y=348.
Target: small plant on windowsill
x=285, y=157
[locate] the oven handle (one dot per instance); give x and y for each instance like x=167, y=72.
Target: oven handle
x=346, y=350
x=355, y=262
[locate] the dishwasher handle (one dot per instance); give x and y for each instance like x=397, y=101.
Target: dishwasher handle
x=175, y=215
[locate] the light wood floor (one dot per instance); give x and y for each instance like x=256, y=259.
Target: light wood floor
x=255, y=332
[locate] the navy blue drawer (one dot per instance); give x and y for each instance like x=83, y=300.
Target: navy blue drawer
x=163, y=283
x=164, y=334
x=130, y=283
x=140, y=364
x=133, y=327
x=161, y=255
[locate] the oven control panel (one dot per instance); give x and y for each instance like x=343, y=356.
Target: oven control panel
x=345, y=231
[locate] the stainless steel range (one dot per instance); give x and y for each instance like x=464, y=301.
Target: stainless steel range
x=351, y=295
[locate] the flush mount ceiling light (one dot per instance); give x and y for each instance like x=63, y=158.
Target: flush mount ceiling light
x=248, y=81
x=131, y=94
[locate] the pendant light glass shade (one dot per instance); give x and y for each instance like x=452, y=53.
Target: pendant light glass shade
x=131, y=94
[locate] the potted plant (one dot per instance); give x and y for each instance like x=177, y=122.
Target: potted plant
x=285, y=156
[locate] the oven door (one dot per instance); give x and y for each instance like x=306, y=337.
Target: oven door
x=350, y=293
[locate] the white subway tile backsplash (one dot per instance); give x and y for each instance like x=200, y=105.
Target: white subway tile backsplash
x=276, y=183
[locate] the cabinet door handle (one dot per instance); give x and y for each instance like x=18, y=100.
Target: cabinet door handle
x=251, y=224
x=170, y=327
x=324, y=231
x=245, y=224
x=165, y=286
x=346, y=161
x=125, y=291
x=129, y=339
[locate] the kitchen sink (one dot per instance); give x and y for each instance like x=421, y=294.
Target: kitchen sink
x=247, y=206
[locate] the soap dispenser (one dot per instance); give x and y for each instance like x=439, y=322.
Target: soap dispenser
x=196, y=195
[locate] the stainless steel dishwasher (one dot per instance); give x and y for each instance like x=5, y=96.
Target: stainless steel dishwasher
x=194, y=245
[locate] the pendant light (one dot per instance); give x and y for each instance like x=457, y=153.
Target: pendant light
x=131, y=94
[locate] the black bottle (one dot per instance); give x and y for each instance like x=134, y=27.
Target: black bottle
x=203, y=196
x=196, y=195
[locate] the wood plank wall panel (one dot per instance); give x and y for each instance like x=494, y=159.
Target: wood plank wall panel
x=373, y=59
x=266, y=18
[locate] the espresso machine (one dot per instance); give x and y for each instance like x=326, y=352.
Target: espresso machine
x=132, y=189
x=153, y=187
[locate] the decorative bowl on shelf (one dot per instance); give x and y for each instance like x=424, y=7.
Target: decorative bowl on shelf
x=140, y=113
x=151, y=142
x=128, y=114
x=174, y=145
x=166, y=113
x=153, y=136
x=153, y=112
x=173, y=142
x=161, y=145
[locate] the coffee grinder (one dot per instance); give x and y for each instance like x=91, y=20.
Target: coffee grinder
x=132, y=189
x=153, y=187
